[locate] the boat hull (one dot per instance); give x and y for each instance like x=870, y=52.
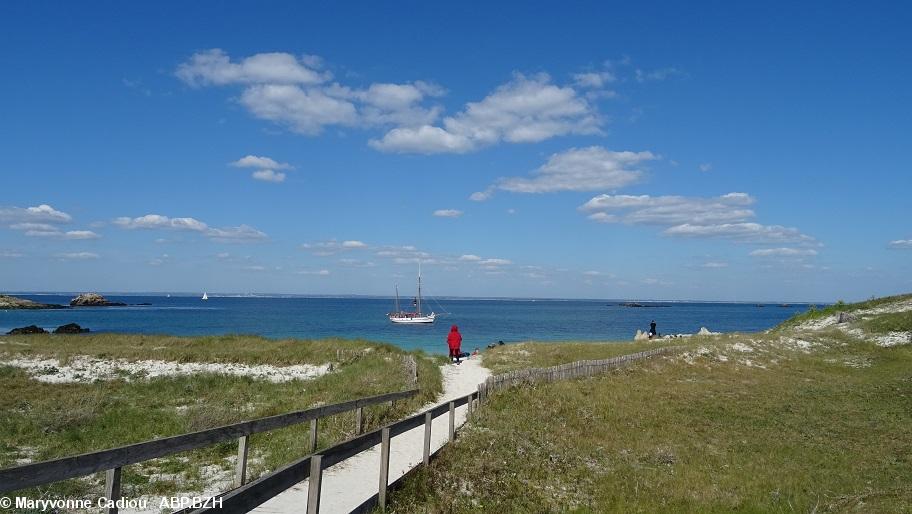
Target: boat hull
x=429, y=318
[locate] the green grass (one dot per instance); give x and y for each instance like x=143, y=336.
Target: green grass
x=511, y=357
x=841, y=306
x=42, y=421
x=778, y=428
x=892, y=322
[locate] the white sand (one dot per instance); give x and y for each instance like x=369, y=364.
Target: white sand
x=89, y=369
x=347, y=484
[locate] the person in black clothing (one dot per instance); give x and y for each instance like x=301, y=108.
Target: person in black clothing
x=652, y=329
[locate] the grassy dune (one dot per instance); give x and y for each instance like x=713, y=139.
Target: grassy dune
x=41, y=421
x=785, y=421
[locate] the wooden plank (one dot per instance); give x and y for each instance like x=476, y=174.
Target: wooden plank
x=428, y=420
x=112, y=489
x=452, y=422
x=384, y=467
x=314, y=484
x=240, y=475
x=359, y=420
x=313, y=434
x=40, y=473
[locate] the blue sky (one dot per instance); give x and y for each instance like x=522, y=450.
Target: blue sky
x=657, y=150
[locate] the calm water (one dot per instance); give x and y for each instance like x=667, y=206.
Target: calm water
x=480, y=321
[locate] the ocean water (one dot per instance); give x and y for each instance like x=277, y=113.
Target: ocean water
x=480, y=321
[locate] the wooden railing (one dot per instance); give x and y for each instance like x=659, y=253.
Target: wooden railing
x=113, y=460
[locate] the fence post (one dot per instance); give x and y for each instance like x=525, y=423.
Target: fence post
x=480, y=396
x=313, y=435
x=313, y=488
x=240, y=474
x=384, y=466
x=469, y=408
x=452, y=421
x=112, y=488
x=427, y=437
x=359, y=420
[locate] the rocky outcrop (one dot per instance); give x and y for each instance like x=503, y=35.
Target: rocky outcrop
x=93, y=300
x=12, y=302
x=31, y=329
x=70, y=328
x=845, y=317
x=640, y=336
x=706, y=332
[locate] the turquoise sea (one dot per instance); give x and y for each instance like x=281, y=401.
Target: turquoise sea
x=481, y=321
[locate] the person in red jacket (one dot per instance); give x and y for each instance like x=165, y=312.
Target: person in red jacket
x=454, y=341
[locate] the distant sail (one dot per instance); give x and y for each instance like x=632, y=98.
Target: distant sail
x=205, y=296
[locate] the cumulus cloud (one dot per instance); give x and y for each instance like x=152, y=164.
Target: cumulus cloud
x=784, y=252
x=294, y=92
x=576, y=169
x=269, y=176
x=726, y=216
x=215, y=67
x=255, y=161
x=900, y=243
x=39, y=214
x=448, y=213
x=593, y=80
x=239, y=234
x=527, y=109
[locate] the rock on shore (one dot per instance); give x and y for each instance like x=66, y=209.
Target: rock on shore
x=93, y=300
x=31, y=329
x=70, y=328
x=12, y=302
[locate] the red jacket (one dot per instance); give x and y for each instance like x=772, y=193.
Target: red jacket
x=454, y=340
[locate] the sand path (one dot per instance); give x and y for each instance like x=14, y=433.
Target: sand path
x=347, y=484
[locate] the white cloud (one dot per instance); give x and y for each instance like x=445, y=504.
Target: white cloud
x=706, y=166
x=481, y=196
x=742, y=232
x=39, y=214
x=322, y=272
x=470, y=258
x=214, y=67
x=294, y=92
x=578, y=169
x=900, y=243
x=593, y=79
x=495, y=262
x=714, y=265
x=269, y=176
x=254, y=161
x=78, y=256
x=524, y=110
x=239, y=234
x=784, y=252
x=447, y=213
x=724, y=216
x=9, y=254
x=354, y=244
x=332, y=247
x=656, y=75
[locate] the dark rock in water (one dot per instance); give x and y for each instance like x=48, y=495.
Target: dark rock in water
x=70, y=328
x=632, y=304
x=93, y=300
x=144, y=304
x=12, y=302
x=31, y=329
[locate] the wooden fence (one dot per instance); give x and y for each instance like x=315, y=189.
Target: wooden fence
x=247, y=496
x=113, y=460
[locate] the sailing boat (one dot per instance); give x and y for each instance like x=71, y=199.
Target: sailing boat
x=400, y=316
x=205, y=297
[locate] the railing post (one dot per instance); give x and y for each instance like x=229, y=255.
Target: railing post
x=428, y=419
x=315, y=482
x=112, y=489
x=469, y=408
x=313, y=435
x=480, y=396
x=452, y=421
x=240, y=475
x=359, y=420
x=384, y=466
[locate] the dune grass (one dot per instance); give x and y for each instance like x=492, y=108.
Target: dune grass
x=774, y=422
x=511, y=357
x=41, y=421
x=841, y=306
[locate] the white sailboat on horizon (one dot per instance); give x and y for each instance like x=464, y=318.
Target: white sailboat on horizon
x=205, y=296
x=400, y=316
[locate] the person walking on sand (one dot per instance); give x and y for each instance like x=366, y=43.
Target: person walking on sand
x=454, y=342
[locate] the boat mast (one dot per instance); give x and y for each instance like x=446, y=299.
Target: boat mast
x=398, y=310
x=419, y=288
